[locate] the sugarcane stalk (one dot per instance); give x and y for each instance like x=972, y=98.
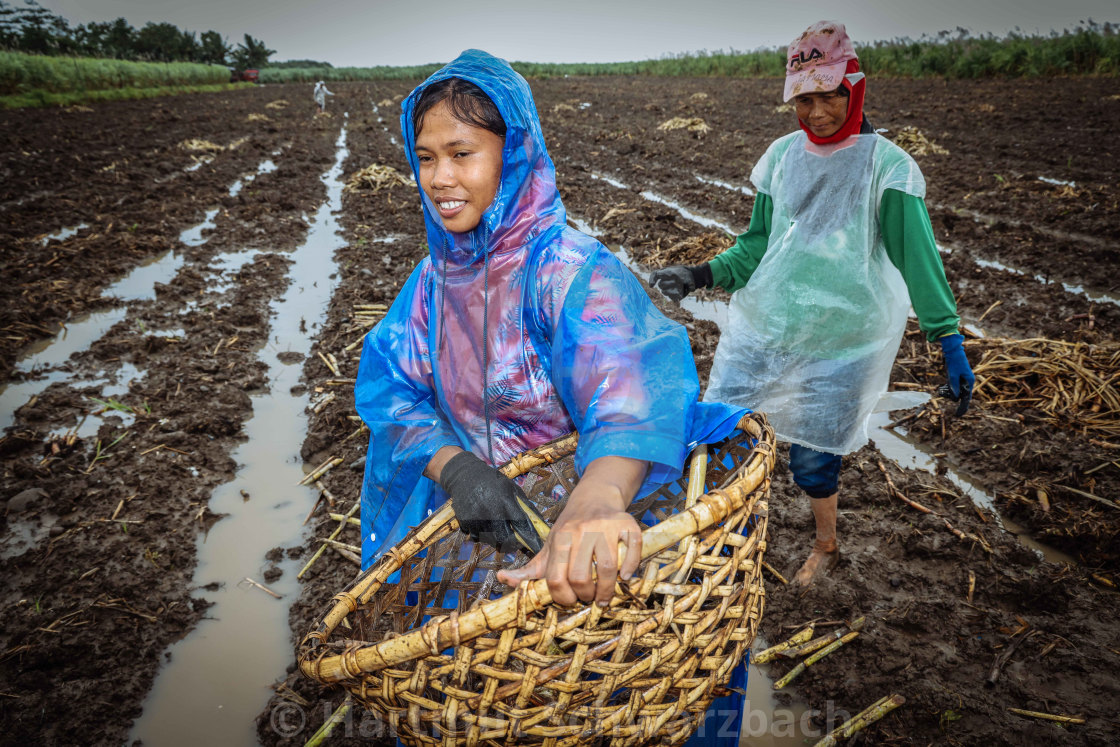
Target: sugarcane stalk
x=793, y=673
x=348, y=519
x=774, y=572
x=795, y=640
x=333, y=369
x=264, y=588
x=818, y=643
x=334, y=534
x=341, y=545
x=321, y=470
x=357, y=342
x=863, y=719
x=1048, y=716
x=335, y=719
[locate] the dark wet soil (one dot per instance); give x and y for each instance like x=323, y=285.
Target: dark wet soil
x=105, y=585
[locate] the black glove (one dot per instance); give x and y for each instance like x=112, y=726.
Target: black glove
x=678, y=281
x=490, y=507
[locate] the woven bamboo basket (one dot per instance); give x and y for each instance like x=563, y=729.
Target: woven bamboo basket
x=431, y=642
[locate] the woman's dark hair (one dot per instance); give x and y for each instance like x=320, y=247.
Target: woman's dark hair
x=468, y=103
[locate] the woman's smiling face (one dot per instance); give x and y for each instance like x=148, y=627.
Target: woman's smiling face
x=823, y=113
x=460, y=167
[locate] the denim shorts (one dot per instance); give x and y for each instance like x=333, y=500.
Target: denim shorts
x=815, y=472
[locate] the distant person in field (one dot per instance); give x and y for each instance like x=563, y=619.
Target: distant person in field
x=839, y=246
x=321, y=94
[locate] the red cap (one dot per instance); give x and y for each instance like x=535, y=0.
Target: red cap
x=817, y=60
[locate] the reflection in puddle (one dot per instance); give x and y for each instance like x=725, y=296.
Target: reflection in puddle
x=219, y=676
x=193, y=236
x=140, y=284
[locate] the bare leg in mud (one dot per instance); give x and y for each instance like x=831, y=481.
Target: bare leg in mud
x=826, y=553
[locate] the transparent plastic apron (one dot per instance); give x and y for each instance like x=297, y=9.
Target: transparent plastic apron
x=811, y=338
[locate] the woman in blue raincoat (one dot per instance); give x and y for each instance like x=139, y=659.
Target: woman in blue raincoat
x=517, y=329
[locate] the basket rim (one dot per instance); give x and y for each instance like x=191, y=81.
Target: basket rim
x=531, y=595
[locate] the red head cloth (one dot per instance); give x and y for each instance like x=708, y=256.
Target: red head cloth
x=823, y=59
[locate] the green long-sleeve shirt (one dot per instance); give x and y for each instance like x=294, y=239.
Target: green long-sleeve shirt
x=908, y=236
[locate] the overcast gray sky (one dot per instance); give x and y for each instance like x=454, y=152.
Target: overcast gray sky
x=378, y=32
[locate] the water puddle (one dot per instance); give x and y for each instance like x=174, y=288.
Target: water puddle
x=994, y=219
x=1077, y=290
x=725, y=185
x=907, y=454
x=199, y=162
x=140, y=284
x=25, y=533
x=685, y=212
x=46, y=355
x=218, y=678
x=225, y=267
x=63, y=233
x=193, y=236
x=43, y=358
x=267, y=167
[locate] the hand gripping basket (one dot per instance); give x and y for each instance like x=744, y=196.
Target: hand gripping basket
x=430, y=641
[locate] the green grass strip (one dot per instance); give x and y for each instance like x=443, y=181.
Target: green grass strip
x=44, y=99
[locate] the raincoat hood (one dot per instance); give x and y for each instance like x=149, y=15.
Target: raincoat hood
x=527, y=201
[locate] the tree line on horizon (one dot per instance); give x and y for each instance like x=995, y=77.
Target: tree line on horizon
x=33, y=29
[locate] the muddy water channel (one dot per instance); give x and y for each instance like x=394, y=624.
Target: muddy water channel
x=218, y=678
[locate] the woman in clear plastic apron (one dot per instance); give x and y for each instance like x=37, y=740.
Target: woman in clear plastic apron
x=515, y=330
x=838, y=248
x=320, y=95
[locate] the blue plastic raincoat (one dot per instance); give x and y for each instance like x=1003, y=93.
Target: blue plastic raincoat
x=517, y=332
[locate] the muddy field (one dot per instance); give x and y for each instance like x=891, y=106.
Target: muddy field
x=109, y=469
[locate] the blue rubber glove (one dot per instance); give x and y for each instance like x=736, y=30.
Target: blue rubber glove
x=961, y=378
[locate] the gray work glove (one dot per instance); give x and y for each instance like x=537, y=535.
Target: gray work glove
x=678, y=281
